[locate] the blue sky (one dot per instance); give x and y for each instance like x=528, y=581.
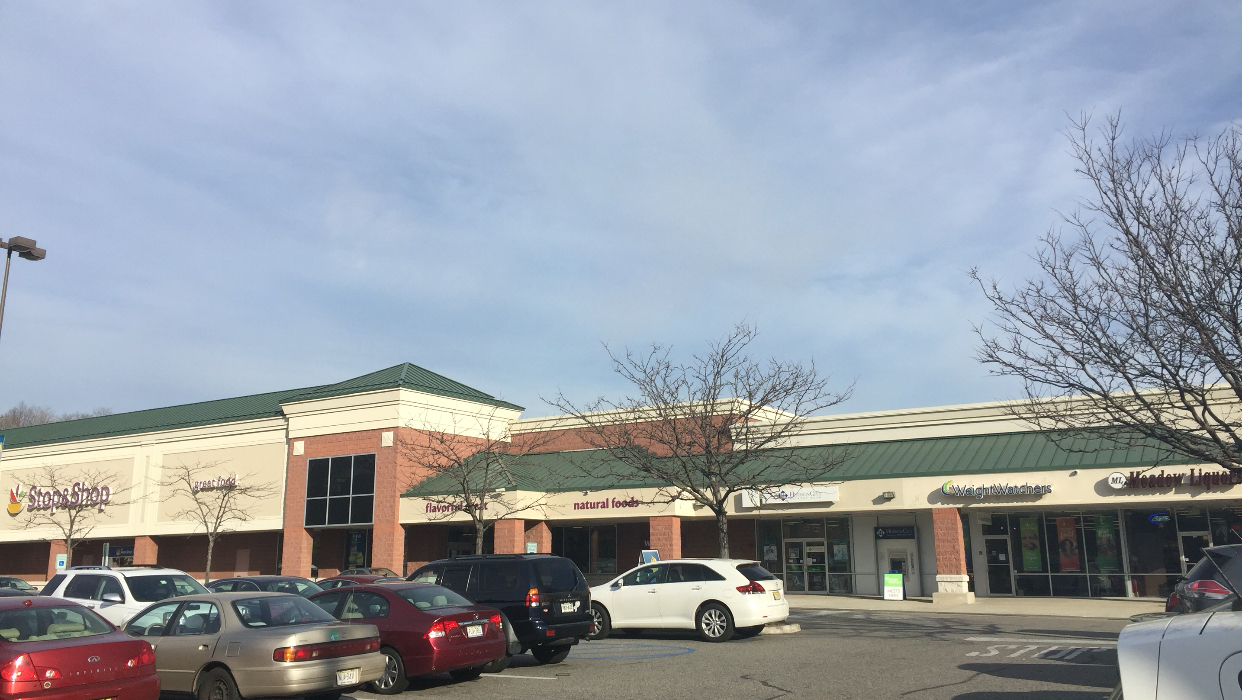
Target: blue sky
x=240, y=197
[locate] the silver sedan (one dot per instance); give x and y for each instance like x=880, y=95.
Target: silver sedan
x=226, y=646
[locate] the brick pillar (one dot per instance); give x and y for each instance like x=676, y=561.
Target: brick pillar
x=146, y=551
x=952, y=579
x=509, y=536
x=57, y=547
x=541, y=536
x=666, y=535
x=387, y=534
x=295, y=555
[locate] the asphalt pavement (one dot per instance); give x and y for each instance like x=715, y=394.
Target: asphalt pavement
x=838, y=654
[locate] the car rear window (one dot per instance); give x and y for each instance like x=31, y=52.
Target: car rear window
x=51, y=586
x=559, y=576
x=279, y=611
x=44, y=624
x=302, y=588
x=432, y=597
x=149, y=589
x=754, y=572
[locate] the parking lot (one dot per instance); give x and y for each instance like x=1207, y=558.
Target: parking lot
x=838, y=654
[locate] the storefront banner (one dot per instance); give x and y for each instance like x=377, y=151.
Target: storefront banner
x=1031, y=559
x=1106, y=544
x=1067, y=544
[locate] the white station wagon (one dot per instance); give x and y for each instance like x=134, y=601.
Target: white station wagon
x=720, y=598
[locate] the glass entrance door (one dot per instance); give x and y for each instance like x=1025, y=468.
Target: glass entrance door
x=1192, y=549
x=795, y=568
x=816, y=567
x=1000, y=565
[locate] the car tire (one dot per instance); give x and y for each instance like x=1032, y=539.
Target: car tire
x=747, y=632
x=467, y=674
x=545, y=654
x=715, y=623
x=393, y=681
x=601, y=623
x=217, y=684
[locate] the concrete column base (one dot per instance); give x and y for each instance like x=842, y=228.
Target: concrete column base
x=939, y=598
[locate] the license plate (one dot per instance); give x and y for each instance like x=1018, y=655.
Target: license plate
x=569, y=607
x=349, y=676
x=776, y=595
x=474, y=630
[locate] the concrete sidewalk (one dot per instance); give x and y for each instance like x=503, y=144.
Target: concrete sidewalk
x=1104, y=608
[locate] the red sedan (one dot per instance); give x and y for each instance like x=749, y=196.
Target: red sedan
x=54, y=649
x=423, y=629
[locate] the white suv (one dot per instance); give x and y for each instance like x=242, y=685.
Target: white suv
x=117, y=594
x=718, y=597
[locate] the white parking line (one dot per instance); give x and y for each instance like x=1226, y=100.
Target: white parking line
x=1048, y=641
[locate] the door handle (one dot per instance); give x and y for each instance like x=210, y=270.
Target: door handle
x=203, y=647
x=697, y=588
x=652, y=591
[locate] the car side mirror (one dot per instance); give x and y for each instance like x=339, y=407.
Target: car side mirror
x=616, y=586
x=112, y=598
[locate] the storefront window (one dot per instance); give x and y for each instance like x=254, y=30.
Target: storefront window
x=840, y=562
x=593, y=548
x=1155, y=559
x=1063, y=554
x=804, y=529
x=340, y=490
x=768, y=539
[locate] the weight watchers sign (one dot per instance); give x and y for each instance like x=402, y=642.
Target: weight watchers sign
x=994, y=490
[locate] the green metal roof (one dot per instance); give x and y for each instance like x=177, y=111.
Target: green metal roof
x=946, y=456
x=405, y=376
x=241, y=408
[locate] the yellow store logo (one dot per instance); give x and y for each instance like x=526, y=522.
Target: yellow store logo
x=15, y=500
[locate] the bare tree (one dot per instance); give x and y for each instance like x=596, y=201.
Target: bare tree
x=69, y=500
x=216, y=503
x=23, y=415
x=1132, y=329
x=710, y=428
x=475, y=473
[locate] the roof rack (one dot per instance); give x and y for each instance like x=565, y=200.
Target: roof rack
x=142, y=566
x=94, y=567
x=499, y=556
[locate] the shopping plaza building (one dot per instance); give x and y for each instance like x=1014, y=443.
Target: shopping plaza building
x=964, y=500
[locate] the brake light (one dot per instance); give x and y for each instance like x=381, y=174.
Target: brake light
x=532, y=598
x=439, y=628
x=326, y=650
x=753, y=587
x=1208, y=587
x=19, y=669
x=1174, y=601
x=144, y=658
x=495, y=620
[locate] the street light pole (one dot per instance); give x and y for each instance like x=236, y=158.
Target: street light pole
x=25, y=248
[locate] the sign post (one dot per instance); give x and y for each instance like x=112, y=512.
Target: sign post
x=894, y=586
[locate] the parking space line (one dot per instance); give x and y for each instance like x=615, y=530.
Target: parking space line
x=525, y=678
x=1059, y=641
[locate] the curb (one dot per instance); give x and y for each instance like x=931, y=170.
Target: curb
x=777, y=628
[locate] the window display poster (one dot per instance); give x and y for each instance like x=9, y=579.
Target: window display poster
x=1067, y=544
x=1106, y=543
x=1031, y=560
x=840, y=551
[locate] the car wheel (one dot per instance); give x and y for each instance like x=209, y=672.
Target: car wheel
x=467, y=674
x=600, y=624
x=393, y=681
x=550, y=654
x=715, y=623
x=747, y=632
x=217, y=684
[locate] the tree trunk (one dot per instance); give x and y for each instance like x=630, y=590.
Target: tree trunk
x=69, y=545
x=211, y=545
x=478, y=537
x=722, y=530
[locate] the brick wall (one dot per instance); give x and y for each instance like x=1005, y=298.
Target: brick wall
x=699, y=538
x=190, y=553
x=950, y=542
x=665, y=535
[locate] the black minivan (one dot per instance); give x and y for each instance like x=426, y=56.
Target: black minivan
x=545, y=599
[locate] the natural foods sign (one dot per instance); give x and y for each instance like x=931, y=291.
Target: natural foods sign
x=43, y=498
x=993, y=490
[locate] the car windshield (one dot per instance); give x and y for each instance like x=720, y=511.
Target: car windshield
x=302, y=588
x=559, y=576
x=43, y=624
x=279, y=611
x=432, y=597
x=149, y=589
x=20, y=585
